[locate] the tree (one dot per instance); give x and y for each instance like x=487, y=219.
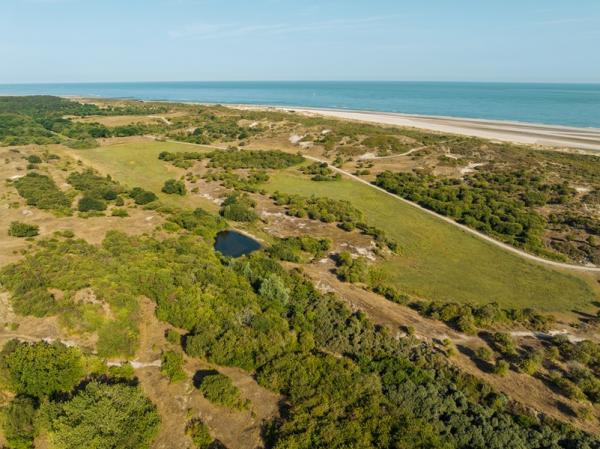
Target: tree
x=19, y=419
x=103, y=416
x=41, y=369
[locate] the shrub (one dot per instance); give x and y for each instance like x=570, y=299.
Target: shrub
x=484, y=353
x=501, y=368
x=34, y=159
x=239, y=208
x=18, y=229
x=172, y=366
x=174, y=187
x=88, y=203
x=352, y=270
x=199, y=433
x=119, y=212
x=141, y=196
x=219, y=389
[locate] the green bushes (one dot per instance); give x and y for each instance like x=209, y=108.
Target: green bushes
x=41, y=191
x=199, y=222
x=141, y=196
x=19, y=229
x=290, y=249
x=351, y=269
x=94, y=185
x=320, y=171
x=219, y=389
x=468, y=317
x=174, y=187
x=498, y=204
x=172, y=366
x=200, y=434
x=236, y=159
x=19, y=423
x=41, y=369
x=119, y=212
x=128, y=419
x=88, y=203
x=239, y=208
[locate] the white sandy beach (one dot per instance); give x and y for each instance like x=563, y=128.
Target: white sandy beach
x=516, y=132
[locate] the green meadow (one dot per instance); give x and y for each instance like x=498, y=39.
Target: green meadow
x=441, y=262
x=436, y=261
x=137, y=164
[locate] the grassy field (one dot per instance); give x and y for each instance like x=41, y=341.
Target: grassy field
x=137, y=164
x=439, y=261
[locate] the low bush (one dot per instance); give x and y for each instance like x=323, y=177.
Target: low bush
x=19, y=229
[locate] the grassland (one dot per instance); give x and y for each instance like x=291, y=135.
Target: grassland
x=438, y=261
x=136, y=164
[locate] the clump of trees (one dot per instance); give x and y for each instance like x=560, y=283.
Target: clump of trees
x=42, y=192
x=141, y=196
x=219, y=389
x=291, y=249
x=174, y=187
x=351, y=269
x=235, y=181
x=129, y=420
x=267, y=159
x=320, y=171
x=468, y=317
x=239, y=207
x=19, y=229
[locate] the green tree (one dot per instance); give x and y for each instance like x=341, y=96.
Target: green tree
x=41, y=369
x=19, y=419
x=174, y=187
x=172, y=366
x=102, y=416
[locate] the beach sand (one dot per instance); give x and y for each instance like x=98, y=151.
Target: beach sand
x=516, y=132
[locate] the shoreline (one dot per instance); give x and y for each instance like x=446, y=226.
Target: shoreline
x=537, y=134
x=499, y=130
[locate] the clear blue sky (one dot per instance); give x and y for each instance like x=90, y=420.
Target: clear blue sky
x=135, y=40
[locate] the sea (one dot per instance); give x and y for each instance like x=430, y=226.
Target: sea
x=575, y=105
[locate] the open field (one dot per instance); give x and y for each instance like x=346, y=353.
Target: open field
x=440, y=262
x=136, y=163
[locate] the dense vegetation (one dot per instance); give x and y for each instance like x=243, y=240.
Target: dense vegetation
x=219, y=389
x=54, y=396
x=251, y=313
x=320, y=171
x=239, y=207
x=19, y=229
x=296, y=249
x=42, y=192
x=488, y=203
x=330, y=211
x=235, y=159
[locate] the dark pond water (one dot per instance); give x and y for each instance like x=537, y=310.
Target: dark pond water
x=234, y=244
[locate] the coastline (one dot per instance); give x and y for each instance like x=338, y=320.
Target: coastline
x=499, y=130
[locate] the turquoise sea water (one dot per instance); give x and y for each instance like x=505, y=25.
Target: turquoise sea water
x=559, y=104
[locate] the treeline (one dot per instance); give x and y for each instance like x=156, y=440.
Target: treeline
x=44, y=120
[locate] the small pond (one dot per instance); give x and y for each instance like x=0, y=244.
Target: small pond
x=235, y=244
